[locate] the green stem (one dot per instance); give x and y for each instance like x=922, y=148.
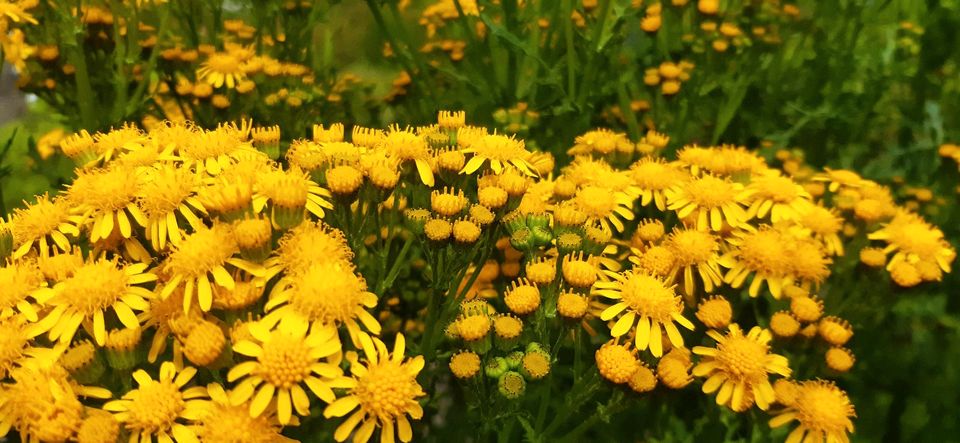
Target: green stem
x=571, y=56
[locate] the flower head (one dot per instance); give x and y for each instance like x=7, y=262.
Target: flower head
x=284, y=360
x=87, y=296
x=158, y=408
x=644, y=303
x=499, y=151
x=384, y=392
x=823, y=410
x=739, y=367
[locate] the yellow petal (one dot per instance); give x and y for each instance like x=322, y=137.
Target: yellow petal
x=341, y=407
x=343, y=431
x=261, y=400
x=126, y=315
x=623, y=324
x=283, y=406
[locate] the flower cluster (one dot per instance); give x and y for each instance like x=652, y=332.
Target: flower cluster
x=240, y=281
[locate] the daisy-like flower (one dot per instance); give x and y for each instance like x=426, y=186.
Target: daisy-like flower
x=289, y=193
x=779, y=197
x=709, y=202
x=85, y=297
x=823, y=410
x=284, y=360
x=117, y=141
x=42, y=402
x=604, y=206
x=653, y=176
x=647, y=302
x=165, y=193
x=840, y=178
x=14, y=12
x=158, y=410
x=221, y=68
x=201, y=257
x=224, y=422
x=405, y=146
x=499, y=151
x=106, y=197
x=740, y=367
x=824, y=225
x=601, y=142
x=21, y=281
x=696, y=254
x=306, y=245
x=762, y=252
x=16, y=347
x=44, y=224
x=213, y=151
x=325, y=293
x=913, y=240
x=584, y=171
x=384, y=393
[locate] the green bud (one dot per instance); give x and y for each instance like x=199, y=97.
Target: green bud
x=538, y=220
x=511, y=385
x=496, y=367
x=542, y=235
x=415, y=219
x=514, y=359
x=522, y=240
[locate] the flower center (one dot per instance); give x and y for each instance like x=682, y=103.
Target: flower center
x=823, y=407
x=649, y=297
x=763, y=252
x=285, y=361
x=692, y=247
x=386, y=389
x=328, y=293
x=155, y=408
x=710, y=192
x=95, y=287
x=742, y=357
x=596, y=202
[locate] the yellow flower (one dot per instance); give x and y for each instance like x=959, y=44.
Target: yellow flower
x=840, y=178
x=763, y=253
x=107, y=197
x=325, y=293
x=289, y=193
x=224, y=422
x=654, y=177
x=406, y=146
x=709, y=201
x=823, y=410
x=221, y=68
x=616, y=362
x=15, y=12
x=601, y=142
x=201, y=257
x=213, y=151
x=85, y=297
x=42, y=403
x=695, y=251
x=16, y=347
x=165, y=193
x=500, y=151
x=285, y=359
x=21, y=281
x=157, y=409
x=384, y=392
x=306, y=245
x=44, y=224
x=602, y=205
x=914, y=240
x=739, y=367
x=777, y=196
x=649, y=304
x=824, y=225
